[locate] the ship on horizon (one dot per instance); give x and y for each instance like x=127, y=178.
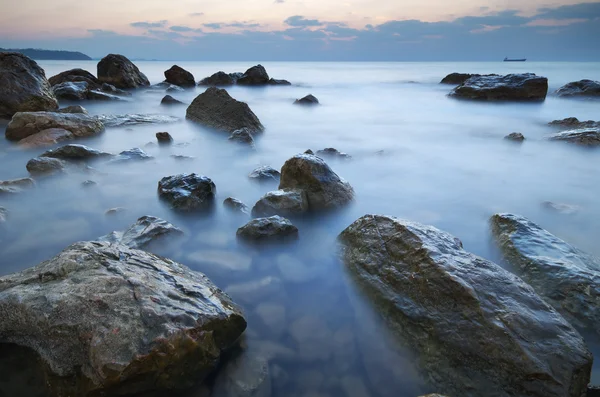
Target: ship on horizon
x=515, y=60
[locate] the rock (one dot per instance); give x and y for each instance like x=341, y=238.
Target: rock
x=23, y=86
x=72, y=91
x=47, y=137
x=593, y=391
x=111, y=89
x=124, y=120
x=279, y=82
x=564, y=276
x=333, y=153
x=3, y=214
x=24, y=124
x=45, y=165
x=110, y=320
x=324, y=188
x=175, y=88
x=180, y=77
x=515, y=87
x=265, y=173
x=164, y=138
x=142, y=233
x=187, y=192
x=584, y=136
x=88, y=183
x=136, y=154
x=235, y=205
x=308, y=151
x=102, y=96
x=245, y=376
x=114, y=211
x=251, y=292
x=242, y=136
x=231, y=261
x=182, y=157
x=75, y=152
x=582, y=88
x=14, y=186
x=574, y=123
x=307, y=100
x=463, y=315
x=256, y=75
x=169, y=100
x=515, y=136
x=214, y=108
x=457, y=78
x=281, y=202
x=274, y=228
x=566, y=209
x=219, y=79
x=120, y=72
x=73, y=109
x=76, y=75
x=313, y=338
x=273, y=316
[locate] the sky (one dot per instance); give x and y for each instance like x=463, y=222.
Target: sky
x=309, y=30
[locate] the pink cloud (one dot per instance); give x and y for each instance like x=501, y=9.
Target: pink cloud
x=488, y=28
x=555, y=22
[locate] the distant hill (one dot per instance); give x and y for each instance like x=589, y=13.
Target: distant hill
x=50, y=54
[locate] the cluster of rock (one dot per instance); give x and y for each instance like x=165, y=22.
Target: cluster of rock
x=255, y=76
x=79, y=84
x=585, y=133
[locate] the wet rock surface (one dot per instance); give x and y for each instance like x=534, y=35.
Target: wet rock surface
x=236, y=205
x=516, y=87
x=274, y=228
x=462, y=314
x=122, y=120
x=265, y=174
x=25, y=124
x=307, y=100
x=515, y=137
x=457, y=78
x=574, y=123
x=333, y=153
x=135, y=154
x=15, y=186
x=583, y=137
x=243, y=136
x=324, y=188
x=164, y=138
x=582, y=88
x=145, y=231
x=187, y=192
x=45, y=165
x=180, y=77
x=219, y=79
x=256, y=75
x=75, y=152
x=117, y=321
x=566, y=277
x=216, y=109
x=280, y=202
x=169, y=100
x=121, y=72
x=23, y=86
x=46, y=138
x=278, y=82
x=73, y=109
x=76, y=75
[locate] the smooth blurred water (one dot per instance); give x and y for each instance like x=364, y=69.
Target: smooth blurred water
x=444, y=162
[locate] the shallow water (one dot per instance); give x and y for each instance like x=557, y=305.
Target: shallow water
x=444, y=162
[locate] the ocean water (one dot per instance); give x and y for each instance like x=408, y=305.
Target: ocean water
x=416, y=154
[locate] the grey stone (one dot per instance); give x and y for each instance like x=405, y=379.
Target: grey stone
x=243, y=136
x=333, y=153
x=219, y=79
x=187, y=192
x=143, y=232
x=75, y=152
x=307, y=100
x=583, y=137
x=235, y=205
x=14, y=186
x=281, y=202
x=164, y=137
x=73, y=109
x=47, y=137
x=582, y=88
x=114, y=211
x=135, y=154
x=279, y=82
x=180, y=77
x=458, y=78
x=256, y=75
x=24, y=124
x=76, y=75
x=121, y=72
x=274, y=228
x=45, y=165
x=265, y=173
x=72, y=91
x=135, y=119
x=515, y=136
x=515, y=87
x=169, y=100
x=573, y=123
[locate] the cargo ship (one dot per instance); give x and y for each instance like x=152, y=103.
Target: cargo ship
x=514, y=60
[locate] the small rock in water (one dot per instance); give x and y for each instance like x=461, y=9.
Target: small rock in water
x=119, y=71
x=144, y=231
x=73, y=109
x=245, y=376
x=132, y=154
x=16, y=185
x=75, y=152
x=122, y=120
x=333, y=153
x=242, y=136
x=45, y=165
x=279, y=82
x=265, y=173
x=256, y=75
x=164, y=137
x=180, y=77
x=89, y=183
x=574, y=123
x=562, y=208
x=515, y=136
x=307, y=100
x=169, y=100
x=187, y=192
x=235, y=205
x=47, y=137
x=582, y=88
x=115, y=211
x=512, y=87
x=281, y=202
x=219, y=79
x=174, y=88
x=584, y=137
x=308, y=151
x=182, y=157
x=274, y=228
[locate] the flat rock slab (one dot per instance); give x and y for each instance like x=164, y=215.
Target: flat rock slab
x=135, y=119
x=517, y=87
x=474, y=326
x=143, y=232
x=583, y=137
x=14, y=186
x=109, y=320
x=25, y=124
x=582, y=88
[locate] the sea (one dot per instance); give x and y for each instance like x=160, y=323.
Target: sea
x=416, y=154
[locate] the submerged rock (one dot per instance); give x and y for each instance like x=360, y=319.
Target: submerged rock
x=122, y=120
x=265, y=173
x=566, y=209
x=274, y=228
x=175, y=88
x=280, y=202
x=243, y=136
x=256, y=75
x=515, y=136
x=574, y=123
x=143, y=232
x=114, y=211
x=219, y=79
x=73, y=109
x=566, y=277
x=247, y=375
x=169, y=100
x=279, y=82
x=46, y=138
x=164, y=137
x=235, y=205
x=180, y=77
x=187, y=192
x=45, y=165
x=116, y=321
x=75, y=152
x=135, y=154
x=24, y=124
x=517, y=87
x=307, y=100
x=121, y=72
x=463, y=315
x=76, y=75
x=324, y=188
x=23, y=86
x=582, y=88
x=214, y=108
x=73, y=91
x=14, y=186
x=584, y=136
x=333, y=153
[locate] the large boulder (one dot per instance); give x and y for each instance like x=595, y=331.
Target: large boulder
x=75, y=152
x=109, y=320
x=274, y=228
x=76, y=75
x=24, y=124
x=582, y=88
x=120, y=72
x=256, y=75
x=516, y=87
x=187, y=192
x=324, y=188
x=574, y=123
x=214, y=108
x=563, y=275
x=583, y=136
x=457, y=78
x=219, y=79
x=281, y=202
x=23, y=86
x=474, y=326
x=180, y=77
x=146, y=230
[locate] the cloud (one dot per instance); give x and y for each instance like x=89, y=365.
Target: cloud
x=300, y=21
x=555, y=22
x=184, y=29
x=279, y=1
x=575, y=11
x=238, y=25
x=196, y=14
x=149, y=25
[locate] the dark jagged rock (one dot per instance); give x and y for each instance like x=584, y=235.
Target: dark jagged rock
x=187, y=192
x=474, y=326
x=584, y=136
x=574, y=123
x=308, y=151
x=122, y=120
x=279, y=82
x=567, y=278
x=169, y=100
x=281, y=202
x=512, y=87
x=120, y=72
x=111, y=89
x=164, y=138
x=76, y=75
x=243, y=136
x=15, y=186
x=256, y=75
x=175, y=88
x=333, y=153
x=72, y=91
x=23, y=86
x=214, y=108
x=24, y=124
x=307, y=100
x=582, y=88
x=457, y=78
x=219, y=79
x=323, y=187
x=515, y=136
x=111, y=320
x=180, y=77
x=265, y=173
x=45, y=165
x=274, y=228
x=143, y=232
x=73, y=109
x=75, y=152
x=235, y=205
